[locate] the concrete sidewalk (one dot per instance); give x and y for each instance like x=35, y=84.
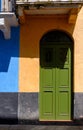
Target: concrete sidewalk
x=40, y=127
x=46, y=126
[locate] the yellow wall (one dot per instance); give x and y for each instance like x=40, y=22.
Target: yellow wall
x=30, y=35
x=78, y=54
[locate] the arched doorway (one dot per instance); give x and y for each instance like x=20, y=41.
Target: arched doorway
x=56, y=51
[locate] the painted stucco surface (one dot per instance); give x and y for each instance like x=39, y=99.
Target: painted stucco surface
x=78, y=53
x=9, y=62
x=20, y=71
x=36, y=27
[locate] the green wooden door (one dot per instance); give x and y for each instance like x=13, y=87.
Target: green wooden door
x=55, y=82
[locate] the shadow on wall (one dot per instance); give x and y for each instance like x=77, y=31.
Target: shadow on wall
x=8, y=49
x=9, y=61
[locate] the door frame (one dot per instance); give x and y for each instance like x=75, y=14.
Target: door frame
x=72, y=81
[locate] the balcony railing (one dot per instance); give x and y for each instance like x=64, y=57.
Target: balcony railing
x=42, y=1
x=10, y=5
x=7, y=17
x=7, y=5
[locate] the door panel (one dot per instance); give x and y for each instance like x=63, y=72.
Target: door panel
x=47, y=89
x=63, y=105
x=63, y=77
x=47, y=97
x=63, y=84
x=55, y=82
x=47, y=78
x=48, y=103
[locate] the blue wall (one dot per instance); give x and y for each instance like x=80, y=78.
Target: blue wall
x=0, y=5
x=9, y=61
